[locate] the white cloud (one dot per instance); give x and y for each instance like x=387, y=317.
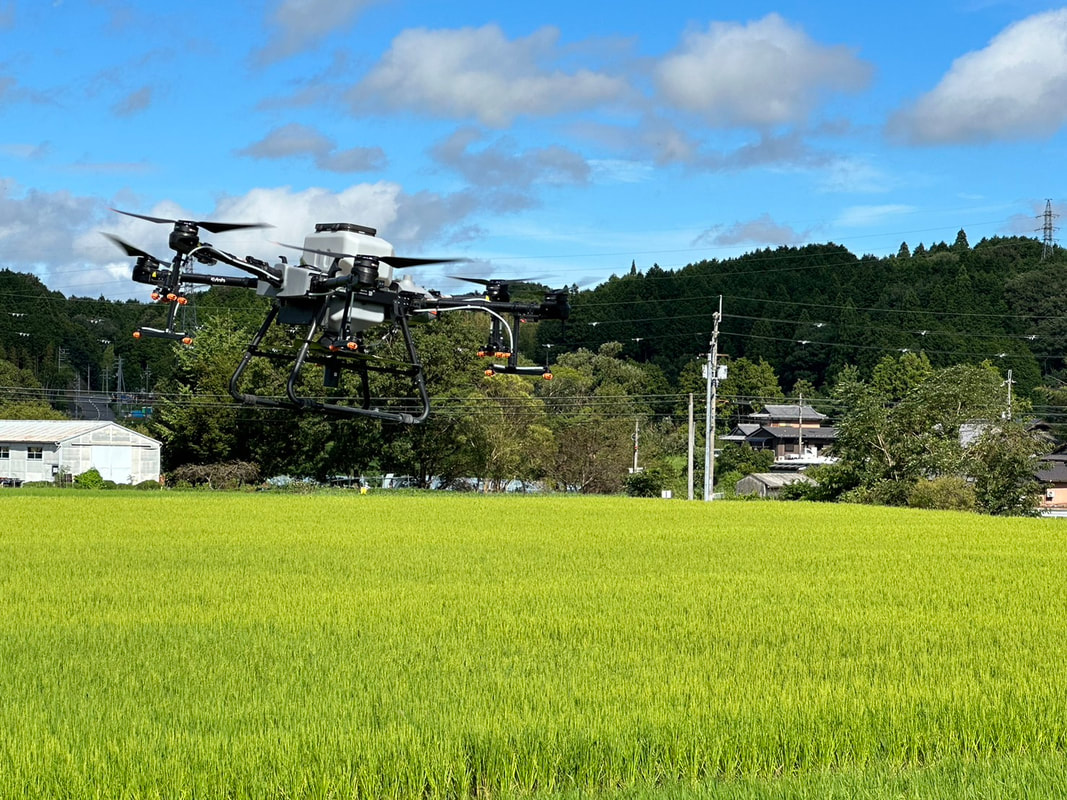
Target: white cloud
x=616, y=170
x=301, y=24
x=296, y=139
x=27, y=151
x=39, y=227
x=856, y=175
x=136, y=101
x=762, y=230
x=1014, y=88
x=477, y=73
x=294, y=213
x=762, y=74
x=860, y=216
x=502, y=164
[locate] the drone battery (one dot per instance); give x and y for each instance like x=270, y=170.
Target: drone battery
x=350, y=239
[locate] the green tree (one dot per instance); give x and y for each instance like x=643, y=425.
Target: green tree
x=593, y=401
x=748, y=388
x=894, y=377
x=196, y=419
x=885, y=448
x=1001, y=463
x=508, y=437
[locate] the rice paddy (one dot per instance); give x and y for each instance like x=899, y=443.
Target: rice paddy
x=254, y=645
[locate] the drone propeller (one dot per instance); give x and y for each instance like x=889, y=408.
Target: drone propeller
x=493, y=281
x=398, y=262
x=128, y=248
x=210, y=227
x=496, y=289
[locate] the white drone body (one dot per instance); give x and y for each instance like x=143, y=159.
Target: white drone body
x=336, y=250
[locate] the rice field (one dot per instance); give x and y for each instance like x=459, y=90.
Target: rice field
x=195, y=645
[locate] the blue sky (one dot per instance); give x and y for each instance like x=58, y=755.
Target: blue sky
x=559, y=140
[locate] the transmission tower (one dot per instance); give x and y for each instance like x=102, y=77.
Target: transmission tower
x=1048, y=231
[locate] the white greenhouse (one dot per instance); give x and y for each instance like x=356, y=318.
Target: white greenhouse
x=39, y=450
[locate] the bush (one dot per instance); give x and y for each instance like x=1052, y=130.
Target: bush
x=727, y=483
x=224, y=475
x=648, y=483
x=90, y=479
x=950, y=493
x=147, y=486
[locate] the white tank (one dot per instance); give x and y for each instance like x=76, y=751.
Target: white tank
x=346, y=237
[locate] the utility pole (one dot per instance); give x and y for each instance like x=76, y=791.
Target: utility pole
x=637, y=445
x=800, y=426
x=711, y=373
x=1008, y=383
x=692, y=445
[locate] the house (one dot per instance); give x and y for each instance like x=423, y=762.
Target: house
x=769, y=484
x=1052, y=475
x=795, y=433
x=38, y=450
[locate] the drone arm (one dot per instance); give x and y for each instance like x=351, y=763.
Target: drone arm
x=220, y=280
x=261, y=270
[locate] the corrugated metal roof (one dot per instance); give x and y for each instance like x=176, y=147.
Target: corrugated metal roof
x=50, y=430
x=776, y=480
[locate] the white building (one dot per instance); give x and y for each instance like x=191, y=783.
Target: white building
x=38, y=450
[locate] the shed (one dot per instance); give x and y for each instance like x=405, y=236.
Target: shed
x=769, y=484
x=38, y=450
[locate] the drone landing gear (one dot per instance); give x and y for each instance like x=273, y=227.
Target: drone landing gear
x=335, y=360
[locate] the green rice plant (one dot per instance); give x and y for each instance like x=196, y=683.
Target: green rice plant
x=252, y=645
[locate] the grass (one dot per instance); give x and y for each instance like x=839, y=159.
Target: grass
x=200, y=645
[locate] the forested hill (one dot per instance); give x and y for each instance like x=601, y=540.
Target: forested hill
x=811, y=310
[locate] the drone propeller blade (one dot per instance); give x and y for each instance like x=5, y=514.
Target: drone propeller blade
x=142, y=216
x=399, y=262
x=327, y=253
x=210, y=227
x=223, y=227
x=492, y=281
x=127, y=248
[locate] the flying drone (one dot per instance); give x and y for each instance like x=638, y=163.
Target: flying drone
x=331, y=304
